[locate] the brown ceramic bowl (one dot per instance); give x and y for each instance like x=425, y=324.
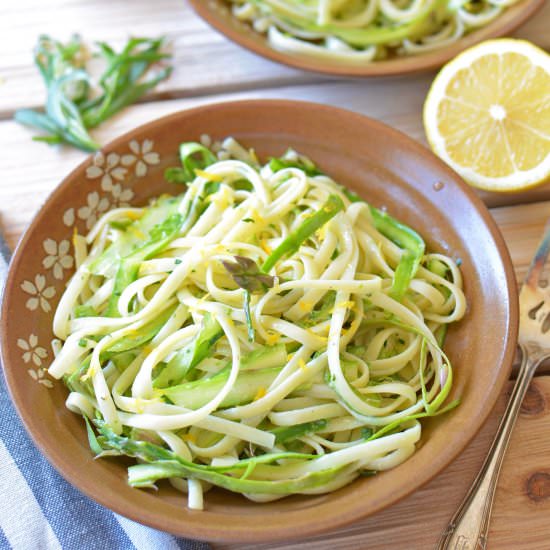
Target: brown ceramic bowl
x=386, y=168
x=217, y=14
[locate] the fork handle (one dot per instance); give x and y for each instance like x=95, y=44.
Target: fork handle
x=469, y=526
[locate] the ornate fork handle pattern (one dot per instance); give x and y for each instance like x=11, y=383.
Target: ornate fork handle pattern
x=468, y=528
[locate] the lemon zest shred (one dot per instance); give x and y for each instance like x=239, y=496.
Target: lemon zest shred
x=140, y=405
x=134, y=215
x=208, y=176
x=265, y=247
x=75, y=235
x=148, y=349
x=272, y=338
x=190, y=437
x=89, y=373
x=321, y=233
x=315, y=335
x=260, y=393
x=137, y=232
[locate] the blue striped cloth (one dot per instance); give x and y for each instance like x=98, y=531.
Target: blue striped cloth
x=39, y=510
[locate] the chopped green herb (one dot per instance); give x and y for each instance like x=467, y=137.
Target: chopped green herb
x=294, y=240
x=84, y=311
x=248, y=316
x=306, y=165
x=247, y=274
x=193, y=156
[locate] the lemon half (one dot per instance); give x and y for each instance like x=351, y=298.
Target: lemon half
x=487, y=115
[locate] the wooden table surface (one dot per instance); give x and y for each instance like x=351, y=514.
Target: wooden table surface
x=208, y=69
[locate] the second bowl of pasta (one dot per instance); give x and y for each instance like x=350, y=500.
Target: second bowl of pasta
x=363, y=38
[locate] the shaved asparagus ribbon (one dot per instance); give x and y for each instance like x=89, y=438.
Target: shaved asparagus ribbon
x=348, y=313
x=357, y=32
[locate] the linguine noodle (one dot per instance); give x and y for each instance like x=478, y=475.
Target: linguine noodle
x=360, y=31
x=266, y=331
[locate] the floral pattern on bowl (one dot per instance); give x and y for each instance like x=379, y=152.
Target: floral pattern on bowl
x=379, y=163
x=112, y=172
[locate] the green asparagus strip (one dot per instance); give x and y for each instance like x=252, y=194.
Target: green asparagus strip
x=161, y=464
x=144, y=475
x=84, y=311
x=288, y=433
x=74, y=382
x=266, y=357
x=292, y=243
x=192, y=354
x=263, y=358
x=413, y=249
x=150, y=452
x=308, y=167
x=160, y=237
x=362, y=37
x=134, y=235
x=398, y=423
x=248, y=385
x=72, y=106
x=137, y=339
x=92, y=439
x=248, y=316
x=441, y=334
x=193, y=156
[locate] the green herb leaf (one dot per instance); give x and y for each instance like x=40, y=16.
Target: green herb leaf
x=301, y=163
x=175, y=175
x=294, y=240
x=248, y=316
x=409, y=241
x=92, y=439
x=247, y=275
x=84, y=311
x=72, y=107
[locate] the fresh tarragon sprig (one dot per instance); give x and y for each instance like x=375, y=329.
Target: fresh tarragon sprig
x=73, y=104
x=246, y=274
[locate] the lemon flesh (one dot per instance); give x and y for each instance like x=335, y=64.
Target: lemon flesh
x=487, y=115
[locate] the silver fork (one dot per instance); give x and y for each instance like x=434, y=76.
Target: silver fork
x=469, y=526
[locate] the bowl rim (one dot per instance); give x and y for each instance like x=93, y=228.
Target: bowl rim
x=244, y=533
x=512, y=18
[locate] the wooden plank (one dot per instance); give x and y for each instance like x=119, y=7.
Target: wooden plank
x=393, y=105
x=522, y=503
x=25, y=183
x=30, y=170
x=205, y=62
x=522, y=229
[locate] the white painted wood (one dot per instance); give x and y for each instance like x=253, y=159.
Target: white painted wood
x=205, y=61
